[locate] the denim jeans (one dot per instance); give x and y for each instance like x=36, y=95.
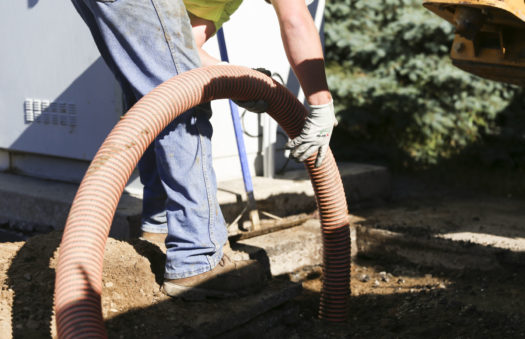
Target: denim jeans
x=144, y=43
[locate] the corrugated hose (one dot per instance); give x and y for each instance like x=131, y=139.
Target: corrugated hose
x=78, y=285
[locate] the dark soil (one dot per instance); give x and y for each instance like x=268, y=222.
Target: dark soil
x=390, y=298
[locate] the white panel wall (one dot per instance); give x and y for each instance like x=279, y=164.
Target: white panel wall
x=48, y=56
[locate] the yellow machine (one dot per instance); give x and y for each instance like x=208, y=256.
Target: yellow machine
x=490, y=36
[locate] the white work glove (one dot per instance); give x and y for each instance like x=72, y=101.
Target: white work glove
x=315, y=135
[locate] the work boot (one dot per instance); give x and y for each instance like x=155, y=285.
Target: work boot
x=228, y=279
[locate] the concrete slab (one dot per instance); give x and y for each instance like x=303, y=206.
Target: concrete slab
x=363, y=184
x=34, y=206
x=46, y=203
x=287, y=250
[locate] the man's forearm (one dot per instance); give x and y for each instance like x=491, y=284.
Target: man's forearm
x=303, y=48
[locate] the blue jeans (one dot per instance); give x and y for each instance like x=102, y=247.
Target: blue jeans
x=144, y=43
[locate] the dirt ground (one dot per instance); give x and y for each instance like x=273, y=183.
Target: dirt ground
x=391, y=298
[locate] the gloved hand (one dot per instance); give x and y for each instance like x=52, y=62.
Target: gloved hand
x=255, y=106
x=315, y=135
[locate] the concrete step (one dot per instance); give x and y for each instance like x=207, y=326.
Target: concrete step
x=29, y=206
x=36, y=205
x=287, y=250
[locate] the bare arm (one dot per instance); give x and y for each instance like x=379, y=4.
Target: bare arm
x=202, y=30
x=303, y=49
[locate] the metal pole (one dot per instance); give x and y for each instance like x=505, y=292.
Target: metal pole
x=248, y=186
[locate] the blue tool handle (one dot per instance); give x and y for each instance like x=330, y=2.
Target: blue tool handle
x=248, y=186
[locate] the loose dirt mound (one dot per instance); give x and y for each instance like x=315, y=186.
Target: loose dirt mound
x=27, y=273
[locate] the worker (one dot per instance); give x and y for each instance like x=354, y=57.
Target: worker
x=145, y=43
x=303, y=48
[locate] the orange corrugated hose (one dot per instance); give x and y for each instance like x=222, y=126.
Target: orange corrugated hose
x=78, y=285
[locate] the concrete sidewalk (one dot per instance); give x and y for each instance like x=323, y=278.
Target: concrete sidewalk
x=29, y=205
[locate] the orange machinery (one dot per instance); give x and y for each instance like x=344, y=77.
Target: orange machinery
x=490, y=36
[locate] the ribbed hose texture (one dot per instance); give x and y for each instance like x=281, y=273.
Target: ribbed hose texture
x=78, y=285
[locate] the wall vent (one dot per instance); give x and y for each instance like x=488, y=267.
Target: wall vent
x=46, y=112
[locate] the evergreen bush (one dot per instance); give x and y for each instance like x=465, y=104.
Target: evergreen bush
x=396, y=92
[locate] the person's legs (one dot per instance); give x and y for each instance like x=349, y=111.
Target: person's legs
x=196, y=227
x=145, y=42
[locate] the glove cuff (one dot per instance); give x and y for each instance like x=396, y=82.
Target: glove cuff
x=323, y=112
x=328, y=108
x=330, y=103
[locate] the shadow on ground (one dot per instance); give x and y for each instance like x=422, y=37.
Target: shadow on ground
x=391, y=298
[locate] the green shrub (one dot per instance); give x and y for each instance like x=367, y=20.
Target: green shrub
x=395, y=89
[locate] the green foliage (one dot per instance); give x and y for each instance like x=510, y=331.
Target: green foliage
x=395, y=87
